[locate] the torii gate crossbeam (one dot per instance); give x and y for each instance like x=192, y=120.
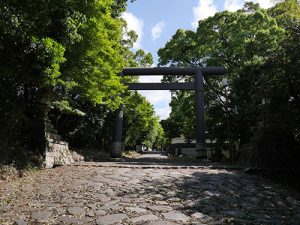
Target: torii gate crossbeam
x=198, y=86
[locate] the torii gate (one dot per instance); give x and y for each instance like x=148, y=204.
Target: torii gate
x=197, y=85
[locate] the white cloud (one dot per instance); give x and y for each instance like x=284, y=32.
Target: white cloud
x=157, y=97
x=157, y=30
x=164, y=112
x=265, y=3
x=150, y=79
x=160, y=100
x=135, y=24
x=204, y=9
x=233, y=5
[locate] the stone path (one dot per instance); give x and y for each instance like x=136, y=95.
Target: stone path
x=105, y=194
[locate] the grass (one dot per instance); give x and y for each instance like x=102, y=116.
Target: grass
x=130, y=154
x=12, y=172
x=17, y=162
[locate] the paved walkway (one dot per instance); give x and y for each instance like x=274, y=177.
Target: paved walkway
x=104, y=193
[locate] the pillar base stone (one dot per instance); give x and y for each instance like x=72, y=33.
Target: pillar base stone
x=201, y=152
x=116, y=149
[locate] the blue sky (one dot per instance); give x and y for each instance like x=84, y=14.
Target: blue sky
x=155, y=21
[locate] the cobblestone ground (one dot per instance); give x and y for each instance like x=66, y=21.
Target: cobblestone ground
x=97, y=194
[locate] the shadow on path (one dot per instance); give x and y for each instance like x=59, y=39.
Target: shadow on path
x=217, y=197
x=122, y=193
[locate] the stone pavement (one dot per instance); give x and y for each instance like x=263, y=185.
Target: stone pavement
x=115, y=193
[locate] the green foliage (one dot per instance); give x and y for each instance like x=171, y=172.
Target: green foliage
x=119, y=6
x=279, y=78
x=285, y=12
x=252, y=44
x=143, y=59
x=67, y=55
x=64, y=107
x=141, y=125
x=130, y=154
x=95, y=60
x=65, y=44
x=94, y=129
x=50, y=56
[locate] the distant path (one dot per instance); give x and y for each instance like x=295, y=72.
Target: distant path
x=108, y=193
x=157, y=155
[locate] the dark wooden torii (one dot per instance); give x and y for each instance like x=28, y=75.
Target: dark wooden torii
x=197, y=85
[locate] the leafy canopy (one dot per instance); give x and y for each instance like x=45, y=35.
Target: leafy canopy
x=239, y=41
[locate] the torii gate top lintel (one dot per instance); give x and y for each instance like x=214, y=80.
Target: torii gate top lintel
x=172, y=71
x=197, y=72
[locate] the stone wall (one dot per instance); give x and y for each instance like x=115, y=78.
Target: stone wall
x=270, y=149
x=57, y=152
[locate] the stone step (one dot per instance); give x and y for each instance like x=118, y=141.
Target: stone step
x=59, y=143
x=49, y=160
x=54, y=141
x=53, y=131
x=57, y=147
x=48, y=125
x=50, y=135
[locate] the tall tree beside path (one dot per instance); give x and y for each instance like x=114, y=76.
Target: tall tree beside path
x=241, y=41
x=59, y=53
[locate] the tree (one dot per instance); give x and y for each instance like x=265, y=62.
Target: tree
x=56, y=32
x=95, y=129
x=235, y=40
x=279, y=80
x=119, y=6
x=141, y=125
x=65, y=54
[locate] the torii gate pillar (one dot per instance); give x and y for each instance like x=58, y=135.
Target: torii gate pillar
x=117, y=144
x=200, y=121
